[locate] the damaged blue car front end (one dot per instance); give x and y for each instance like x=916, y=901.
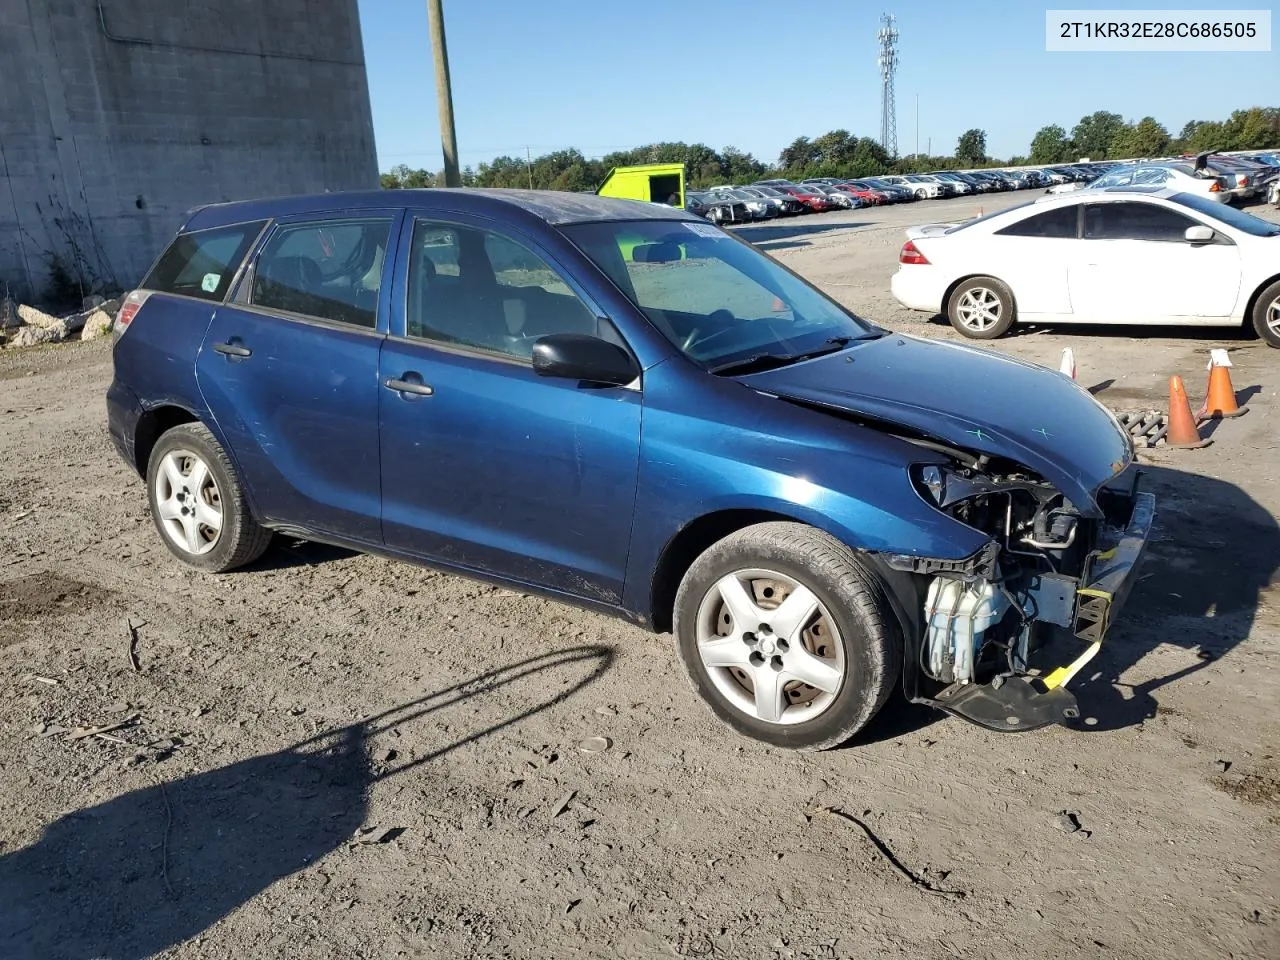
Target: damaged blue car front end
x=1043, y=475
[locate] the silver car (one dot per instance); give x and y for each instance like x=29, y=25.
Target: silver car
x=761, y=208
x=1174, y=176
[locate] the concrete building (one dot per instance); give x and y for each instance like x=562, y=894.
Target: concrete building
x=117, y=116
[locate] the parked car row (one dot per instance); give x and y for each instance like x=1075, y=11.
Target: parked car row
x=766, y=199
x=1220, y=177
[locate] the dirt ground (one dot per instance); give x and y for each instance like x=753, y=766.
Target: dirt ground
x=338, y=756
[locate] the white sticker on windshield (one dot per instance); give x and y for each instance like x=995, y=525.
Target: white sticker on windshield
x=706, y=230
x=209, y=282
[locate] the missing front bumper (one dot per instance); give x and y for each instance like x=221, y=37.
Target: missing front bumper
x=1030, y=702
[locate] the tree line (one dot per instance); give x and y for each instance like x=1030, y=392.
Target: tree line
x=838, y=153
x=1106, y=136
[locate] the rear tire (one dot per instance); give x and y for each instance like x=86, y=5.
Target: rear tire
x=745, y=650
x=1266, y=315
x=981, y=308
x=197, y=504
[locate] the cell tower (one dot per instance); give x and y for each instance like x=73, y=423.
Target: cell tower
x=888, y=36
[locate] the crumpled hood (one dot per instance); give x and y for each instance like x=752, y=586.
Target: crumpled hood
x=972, y=399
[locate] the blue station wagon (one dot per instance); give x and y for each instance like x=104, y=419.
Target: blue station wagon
x=622, y=406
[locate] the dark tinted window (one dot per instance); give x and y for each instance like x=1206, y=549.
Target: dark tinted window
x=330, y=269
x=477, y=288
x=1133, y=221
x=1056, y=224
x=202, y=264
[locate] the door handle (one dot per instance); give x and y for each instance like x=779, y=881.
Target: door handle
x=417, y=388
x=232, y=349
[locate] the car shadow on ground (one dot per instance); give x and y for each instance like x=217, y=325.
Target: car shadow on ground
x=152, y=868
x=1213, y=555
x=1133, y=331
x=286, y=552
x=899, y=717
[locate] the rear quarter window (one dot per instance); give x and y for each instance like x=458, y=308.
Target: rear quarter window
x=202, y=264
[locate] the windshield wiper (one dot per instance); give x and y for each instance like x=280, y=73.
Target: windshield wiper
x=768, y=361
x=754, y=363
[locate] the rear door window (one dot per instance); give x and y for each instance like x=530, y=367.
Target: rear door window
x=327, y=269
x=1059, y=224
x=202, y=264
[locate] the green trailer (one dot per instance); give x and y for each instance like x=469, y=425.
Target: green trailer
x=652, y=182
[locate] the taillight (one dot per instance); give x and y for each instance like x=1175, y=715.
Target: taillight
x=1243, y=181
x=128, y=310
x=911, y=254
x=1216, y=187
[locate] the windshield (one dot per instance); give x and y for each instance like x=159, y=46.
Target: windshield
x=1244, y=222
x=718, y=299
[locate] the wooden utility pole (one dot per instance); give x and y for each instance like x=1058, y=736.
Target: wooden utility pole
x=444, y=95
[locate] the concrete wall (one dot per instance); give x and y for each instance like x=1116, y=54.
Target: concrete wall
x=117, y=116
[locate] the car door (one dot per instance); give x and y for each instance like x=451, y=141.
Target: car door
x=485, y=464
x=289, y=368
x=1031, y=257
x=1134, y=265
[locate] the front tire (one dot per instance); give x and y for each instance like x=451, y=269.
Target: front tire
x=787, y=636
x=1266, y=315
x=197, y=503
x=981, y=308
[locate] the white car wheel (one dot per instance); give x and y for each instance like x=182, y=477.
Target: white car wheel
x=1266, y=315
x=981, y=308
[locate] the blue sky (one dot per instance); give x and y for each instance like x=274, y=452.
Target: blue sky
x=754, y=74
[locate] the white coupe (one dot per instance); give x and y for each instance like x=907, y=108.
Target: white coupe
x=1157, y=257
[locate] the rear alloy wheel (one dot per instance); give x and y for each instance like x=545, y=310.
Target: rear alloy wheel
x=787, y=636
x=197, y=504
x=981, y=308
x=1266, y=315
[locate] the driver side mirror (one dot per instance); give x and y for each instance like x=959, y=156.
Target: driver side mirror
x=1199, y=234
x=577, y=356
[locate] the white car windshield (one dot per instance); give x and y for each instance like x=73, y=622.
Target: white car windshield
x=1244, y=222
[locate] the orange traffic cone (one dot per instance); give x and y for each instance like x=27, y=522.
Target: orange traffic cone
x=1182, y=430
x=1220, y=400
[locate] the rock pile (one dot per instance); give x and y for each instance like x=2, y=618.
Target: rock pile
x=25, y=326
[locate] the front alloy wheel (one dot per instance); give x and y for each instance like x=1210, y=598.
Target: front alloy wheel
x=770, y=647
x=787, y=635
x=981, y=308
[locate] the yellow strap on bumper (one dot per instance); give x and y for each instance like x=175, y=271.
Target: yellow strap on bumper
x=1061, y=676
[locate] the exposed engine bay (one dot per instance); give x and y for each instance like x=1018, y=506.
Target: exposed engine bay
x=1047, y=579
